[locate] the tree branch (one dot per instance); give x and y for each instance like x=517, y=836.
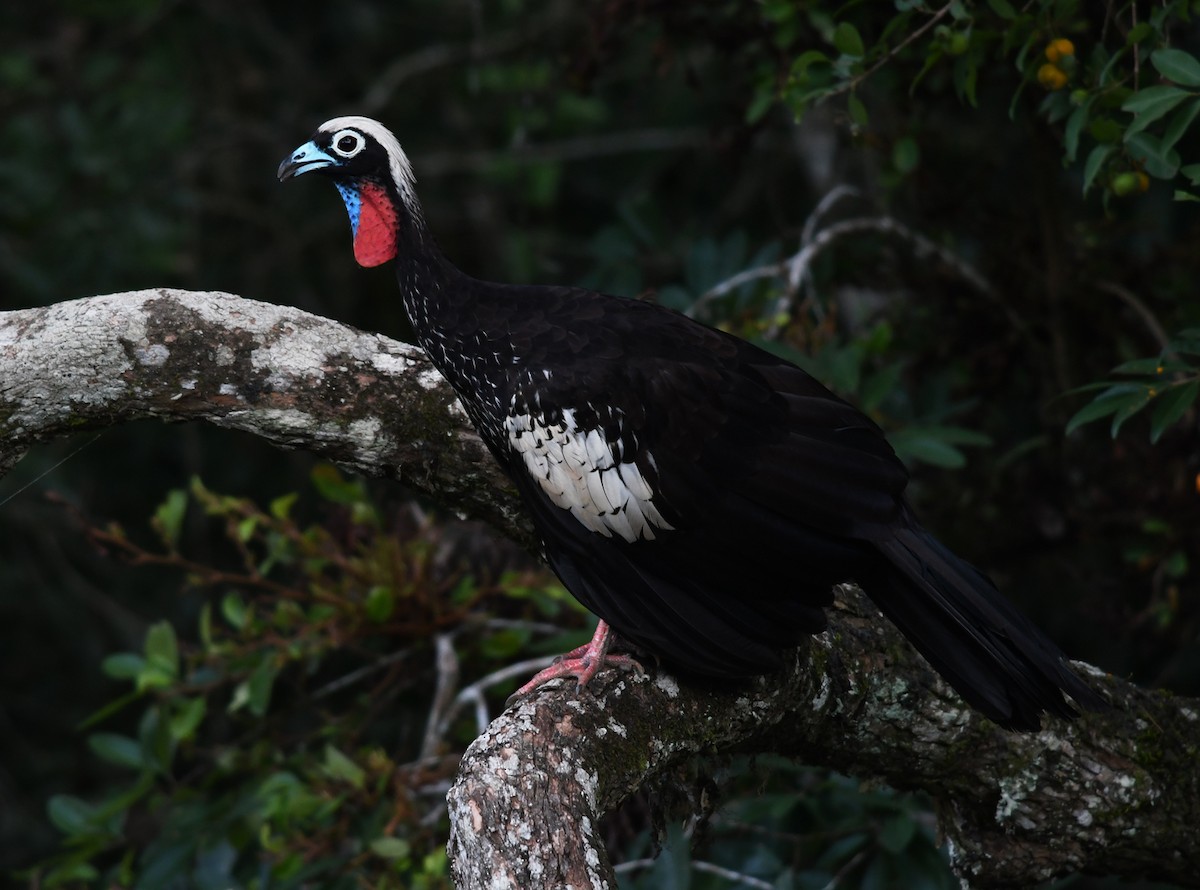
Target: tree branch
x=1116, y=793
x=298, y=380
x=1108, y=793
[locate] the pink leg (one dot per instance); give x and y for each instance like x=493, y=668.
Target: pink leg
x=583, y=663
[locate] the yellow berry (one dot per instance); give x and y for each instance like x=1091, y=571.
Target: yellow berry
x=1143, y=181
x=1052, y=77
x=1056, y=50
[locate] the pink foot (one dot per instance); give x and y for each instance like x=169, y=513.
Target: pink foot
x=582, y=663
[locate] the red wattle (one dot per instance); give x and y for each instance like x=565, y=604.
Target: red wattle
x=375, y=240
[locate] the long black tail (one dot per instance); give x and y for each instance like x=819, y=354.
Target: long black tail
x=995, y=658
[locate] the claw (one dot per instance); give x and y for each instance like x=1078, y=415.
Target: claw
x=582, y=663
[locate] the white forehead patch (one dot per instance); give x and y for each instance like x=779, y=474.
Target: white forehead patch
x=577, y=471
x=401, y=169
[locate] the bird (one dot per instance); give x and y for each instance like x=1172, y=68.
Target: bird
x=700, y=495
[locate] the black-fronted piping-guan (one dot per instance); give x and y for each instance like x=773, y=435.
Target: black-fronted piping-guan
x=699, y=495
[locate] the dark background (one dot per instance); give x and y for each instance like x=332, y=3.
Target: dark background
x=604, y=144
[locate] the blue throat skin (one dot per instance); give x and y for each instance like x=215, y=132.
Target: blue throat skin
x=353, y=201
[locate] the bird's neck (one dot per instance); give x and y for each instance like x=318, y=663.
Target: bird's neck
x=428, y=284
x=453, y=315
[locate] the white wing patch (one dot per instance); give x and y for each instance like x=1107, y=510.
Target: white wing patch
x=576, y=469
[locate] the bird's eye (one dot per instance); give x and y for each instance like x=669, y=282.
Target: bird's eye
x=347, y=143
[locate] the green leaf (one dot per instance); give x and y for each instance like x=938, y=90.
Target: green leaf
x=234, y=609
x=931, y=59
x=1108, y=402
x=390, y=847
x=246, y=527
x=1003, y=8
x=254, y=692
x=465, y=589
x=1153, y=99
x=157, y=744
x=906, y=154
x=806, y=60
x=1131, y=407
x=338, y=766
x=331, y=485
x=757, y=110
x=1177, y=65
x=70, y=815
x=847, y=40
x=1094, y=164
x=1180, y=123
x=1192, y=172
x=1148, y=151
x=897, y=832
x=1150, y=104
x=1140, y=366
x=1138, y=33
x=117, y=749
x=205, y=626
x=189, y=713
x=966, y=76
x=1175, y=564
x=1170, y=405
x=70, y=874
x=1074, y=127
x=123, y=665
x=168, y=518
x=281, y=507
x=858, y=111
x=920, y=445
x=879, y=386
x=162, y=657
x=380, y=603
x=259, y=686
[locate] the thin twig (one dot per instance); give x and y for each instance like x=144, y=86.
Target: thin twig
x=797, y=269
x=852, y=84
x=541, y=627
x=447, y=682
x=731, y=875
x=799, y=266
x=771, y=270
x=831, y=198
x=707, y=867
x=359, y=673
x=836, y=880
x=473, y=693
x=774, y=270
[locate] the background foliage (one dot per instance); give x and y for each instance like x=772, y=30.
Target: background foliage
x=960, y=215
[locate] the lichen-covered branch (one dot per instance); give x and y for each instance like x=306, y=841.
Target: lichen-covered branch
x=1114, y=793
x=293, y=378
x=1117, y=793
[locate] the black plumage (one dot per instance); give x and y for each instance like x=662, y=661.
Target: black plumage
x=698, y=494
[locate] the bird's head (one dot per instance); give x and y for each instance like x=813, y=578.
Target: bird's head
x=373, y=176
